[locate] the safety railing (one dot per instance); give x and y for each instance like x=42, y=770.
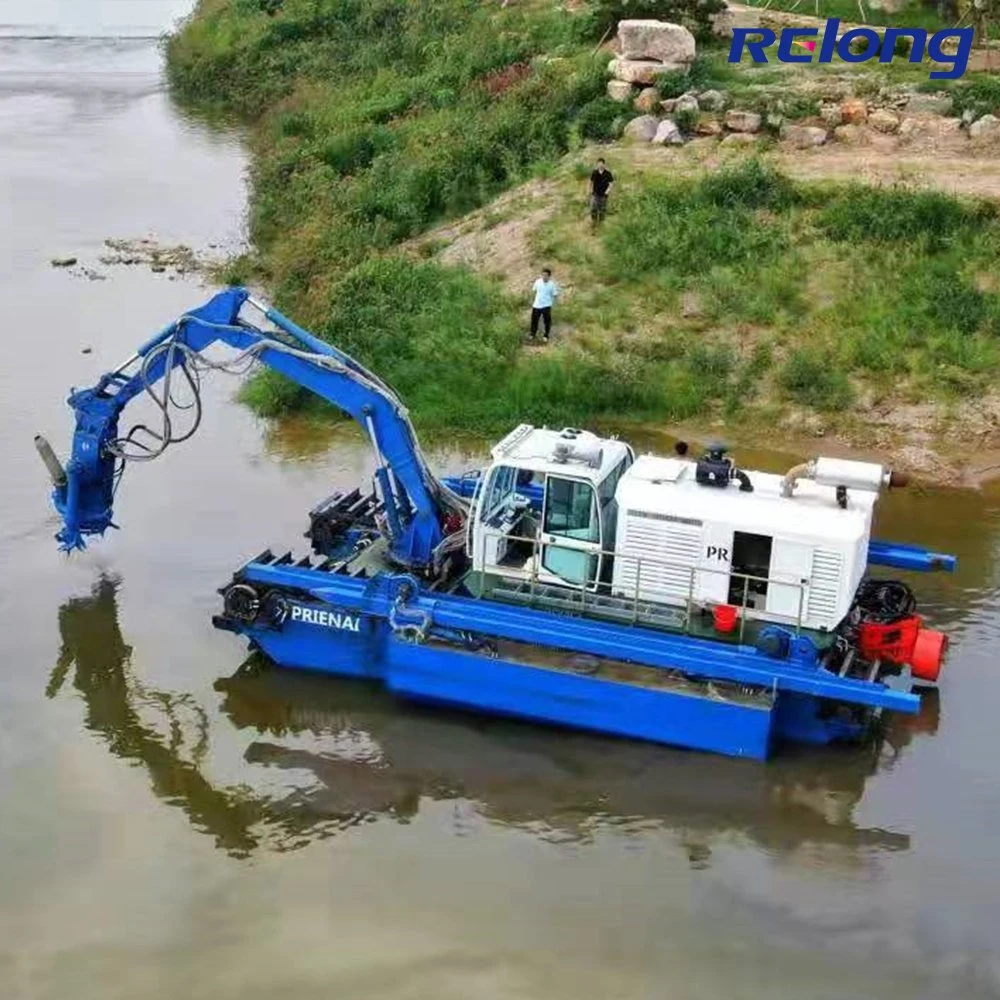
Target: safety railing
x=593, y=588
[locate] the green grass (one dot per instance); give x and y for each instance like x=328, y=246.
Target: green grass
x=804, y=293
x=449, y=342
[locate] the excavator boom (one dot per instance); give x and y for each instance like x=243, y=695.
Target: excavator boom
x=415, y=503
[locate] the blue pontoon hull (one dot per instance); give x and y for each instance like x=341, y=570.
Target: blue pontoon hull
x=483, y=655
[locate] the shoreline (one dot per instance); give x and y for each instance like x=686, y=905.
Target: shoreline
x=930, y=463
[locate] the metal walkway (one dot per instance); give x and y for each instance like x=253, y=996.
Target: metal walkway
x=619, y=609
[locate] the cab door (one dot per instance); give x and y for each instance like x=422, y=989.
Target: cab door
x=571, y=532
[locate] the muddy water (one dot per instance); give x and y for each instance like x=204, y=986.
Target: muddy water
x=176, y=823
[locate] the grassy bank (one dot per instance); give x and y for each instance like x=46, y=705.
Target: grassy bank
x=375, y=118
x=734, y=293
x=739, y=292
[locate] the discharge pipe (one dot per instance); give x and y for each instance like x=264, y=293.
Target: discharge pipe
x=52, y=463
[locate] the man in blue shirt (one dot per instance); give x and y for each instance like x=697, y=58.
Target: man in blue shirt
x=546, y=292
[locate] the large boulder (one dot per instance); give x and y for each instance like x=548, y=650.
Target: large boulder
x=657, y=40
x=643, y=128
x=686, y=104
x=642, y=71
x=668, y=134
x=831, y=114
x=803, y=136
x=851, y=135
x=711, y=100
x=934, y=133
x=884, y=121
x=985, y=131
x=742, y=121
x=707, y=125
x=648, y=100
x=854, y=111
x=619, y=90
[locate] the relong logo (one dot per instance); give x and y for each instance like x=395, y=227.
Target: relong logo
x=857, y=45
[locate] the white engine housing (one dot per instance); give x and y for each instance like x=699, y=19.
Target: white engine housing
x=678, y=540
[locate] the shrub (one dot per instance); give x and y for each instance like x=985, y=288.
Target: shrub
x=895, y=214
x=813, y=378
x=979, y=96
x=600, y=119
x=673, y=84
x=686, y=119
x=751, y=184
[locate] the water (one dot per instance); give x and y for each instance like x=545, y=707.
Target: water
x=175, y=823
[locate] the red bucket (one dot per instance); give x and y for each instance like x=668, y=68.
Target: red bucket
x=725, y=617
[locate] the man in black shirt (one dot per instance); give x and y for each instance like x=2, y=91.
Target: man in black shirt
x=601, y=180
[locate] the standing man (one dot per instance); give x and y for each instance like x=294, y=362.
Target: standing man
x=601, y=180
x=546, y=292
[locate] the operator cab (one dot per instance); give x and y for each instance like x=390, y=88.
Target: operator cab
x=545, y=508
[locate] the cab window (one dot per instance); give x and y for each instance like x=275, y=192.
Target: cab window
x=607, y=489
x=571, y=510
x=499, y=490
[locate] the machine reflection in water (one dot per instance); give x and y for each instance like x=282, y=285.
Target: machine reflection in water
x=372, y=758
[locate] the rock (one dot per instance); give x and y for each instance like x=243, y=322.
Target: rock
x=886, y=122
x=668, y=134
x=643, y=128
x=968, y=116
x=851, y=135
x=647, y=101
x=724, y=21
x=642, y=71
x=742, y=121
x=619, y=90
x=986, y=129
x=934, y=133
x=712, y=100
x=158, y=268
x=830, y=113
x=708, y=126
x=659, y=40
x=854, y=111
x=63, y=261
x=85, y=350
x=685, y=104
x=833, y=90
x=942, y=135
x=930, y=104
x=740, y=139
x=668, y=105
x=803, y=136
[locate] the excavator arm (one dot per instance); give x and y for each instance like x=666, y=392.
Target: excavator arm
x=416, y=505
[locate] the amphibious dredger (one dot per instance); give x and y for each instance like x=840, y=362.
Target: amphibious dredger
x=571, y=582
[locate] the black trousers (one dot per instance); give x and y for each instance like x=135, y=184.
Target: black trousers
x=546, y=317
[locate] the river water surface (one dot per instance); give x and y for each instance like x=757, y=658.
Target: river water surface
x=174, y=823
